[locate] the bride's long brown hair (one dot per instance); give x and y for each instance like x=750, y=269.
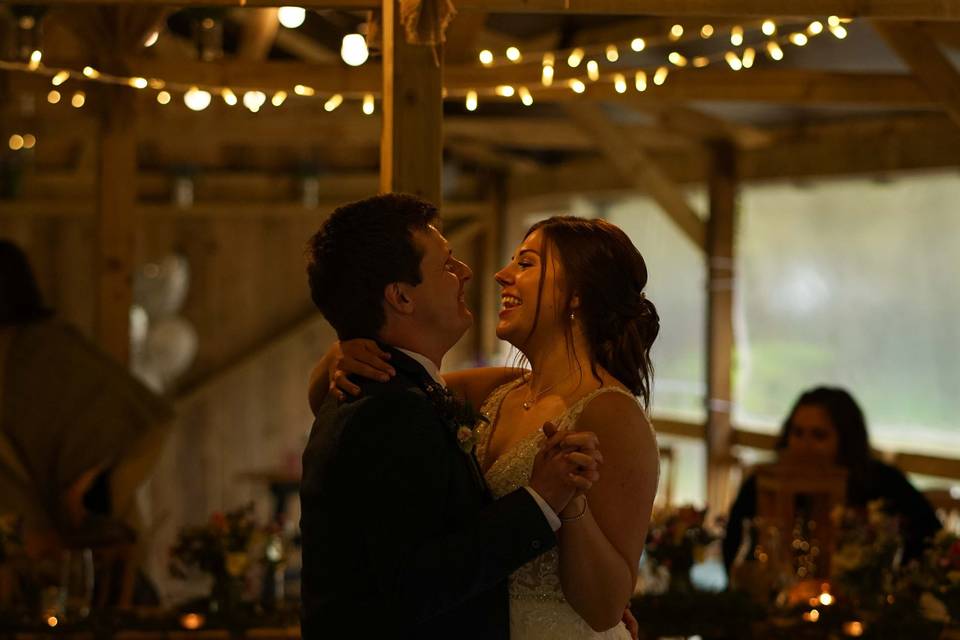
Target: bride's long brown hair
x=603, y=268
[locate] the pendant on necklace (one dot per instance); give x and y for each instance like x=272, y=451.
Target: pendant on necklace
x=526, y=405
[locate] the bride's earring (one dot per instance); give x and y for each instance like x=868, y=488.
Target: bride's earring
x=572, y=318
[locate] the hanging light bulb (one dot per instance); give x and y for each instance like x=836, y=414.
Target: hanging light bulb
x=152, y=39
x=353, y=49
x=253, y=100
x=547, y=77
x=278, y=98
x=676, y=32
x=700, y=62
x=575, y=57
x=677, y=59
x=661, y=76
x=833, y=21
x=291, y=17
x=706, y=31
x=638, y=44
x=769, y=27
x=164, y=97
x=29, y=141
x=196, y=99
x=304, y=90
x=153, y=83
x=815, y=28
x=620, y=83
x=640, y=80
x=749, y=55
x=486, y=57
x=60, y=78
x=35, y=57
x=505, y=91
x=525, y=96
x=228, y=96
x=91, y=73
x=16, y=142
x=613, y=54
x=335, y=101
x=799, y=39
x=471, y=103
x=53, y=97
x=577, y=86
x=733, y=60
x=79, y=99
x=593, y=70
x=774, y=50
x=138, y=83
x=513, y=54
x=736, y=36
x=368, y=104
x=839, y=31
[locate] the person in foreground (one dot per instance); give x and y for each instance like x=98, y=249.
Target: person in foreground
x=827, y=424
x=401, y=538
x=573, y=304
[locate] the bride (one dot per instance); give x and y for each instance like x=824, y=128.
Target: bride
x=573, y=305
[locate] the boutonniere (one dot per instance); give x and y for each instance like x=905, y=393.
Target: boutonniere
x=459, y=416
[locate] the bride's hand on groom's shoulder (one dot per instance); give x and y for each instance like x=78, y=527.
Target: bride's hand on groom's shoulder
x=360, y=357
x=566, y=465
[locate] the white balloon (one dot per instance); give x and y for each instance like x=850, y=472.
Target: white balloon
x=161, y=287
x=170, y=348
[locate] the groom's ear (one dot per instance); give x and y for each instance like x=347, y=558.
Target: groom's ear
x=397, y=297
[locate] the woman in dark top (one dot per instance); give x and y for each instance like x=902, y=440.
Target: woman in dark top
x=827, y=423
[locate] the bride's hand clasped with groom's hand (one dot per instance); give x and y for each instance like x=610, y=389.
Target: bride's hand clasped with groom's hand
x=567, y=465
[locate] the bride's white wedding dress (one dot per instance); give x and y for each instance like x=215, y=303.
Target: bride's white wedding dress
x=538, y=610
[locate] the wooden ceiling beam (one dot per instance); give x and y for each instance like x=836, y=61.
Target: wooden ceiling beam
x=884, y=9
x=259, y=31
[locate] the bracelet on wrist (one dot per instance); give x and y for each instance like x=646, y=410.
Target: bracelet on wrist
x=575, y=517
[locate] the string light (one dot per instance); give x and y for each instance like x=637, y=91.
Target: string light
x=593, y=70
x=613, y=54
x=525, y=97
x=229, y=97
x=749, y=55
x=547, y=77
x=513, y=54
x=575, y=57
x=700, y=62
x=833, y=21
x=304, y=90
x=768, y=27
x=368, y=104
x=736, y=36
x=640, y=81
x=16, y=142
x=335, y=101
x=677, y=59
x=620, y=83
x=91, y=73
x=29, y=141
x=53, y=97
x=471, y=100
x=152, y=39
x=196, y=99
x=253, y=100
x=138, y=83
x=35, y=59
x=353, y=49
x=839, y=32
x=156, y=84
x=278, y=98
x=815, y=28
x=638, y=44
x=706, y=31
x=486, y=57
x=60, y=78
x=676, y=32
x=774, y=50
x=291, y=17
x=799, y=39
x=79, y=99
x=577, y=86
x=733, y=60
x=661, y=76
x=505, y=91
x=164, y=97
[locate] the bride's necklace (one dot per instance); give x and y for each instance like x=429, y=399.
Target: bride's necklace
x=529, y=402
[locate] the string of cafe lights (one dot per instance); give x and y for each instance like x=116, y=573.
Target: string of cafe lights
x=198, y=97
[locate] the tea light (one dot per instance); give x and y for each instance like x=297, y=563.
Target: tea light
x=853, y=629
x=192, y=621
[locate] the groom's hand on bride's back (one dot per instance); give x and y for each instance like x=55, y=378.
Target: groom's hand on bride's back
x=566, y=465
x=358, y=357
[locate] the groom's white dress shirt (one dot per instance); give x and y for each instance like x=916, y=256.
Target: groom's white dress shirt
x=434, y=373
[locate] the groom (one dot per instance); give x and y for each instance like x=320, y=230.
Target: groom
x=401, y=538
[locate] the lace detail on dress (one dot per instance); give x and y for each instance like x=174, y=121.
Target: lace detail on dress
x=537, y=606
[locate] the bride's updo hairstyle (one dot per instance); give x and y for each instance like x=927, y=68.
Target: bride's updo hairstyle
x=602, y=267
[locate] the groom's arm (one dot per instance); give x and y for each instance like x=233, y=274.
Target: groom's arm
x=401, y=463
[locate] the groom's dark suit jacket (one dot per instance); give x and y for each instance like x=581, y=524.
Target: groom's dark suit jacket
x=400, y=537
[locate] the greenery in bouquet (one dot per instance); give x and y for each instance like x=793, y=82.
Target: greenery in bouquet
x=868, y=550
x=934, y=581
x=222, y=547
x=11, y=537
x=678, y=538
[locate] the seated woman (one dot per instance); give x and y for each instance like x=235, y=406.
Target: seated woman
x=827, y=423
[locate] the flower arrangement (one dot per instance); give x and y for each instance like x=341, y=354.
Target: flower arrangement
x=868, y=550
x=676, y=540
x=935, y=579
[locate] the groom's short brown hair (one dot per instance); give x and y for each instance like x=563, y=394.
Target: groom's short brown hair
x=360, y=249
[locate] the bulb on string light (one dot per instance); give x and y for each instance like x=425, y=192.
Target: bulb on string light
x=164, y=97
x=736, y=36
x=769, y=27
x=291, y=17
x=620, y=83
x=60, y=78
x=368, y=104
x=799, y=39
x=700, y=62
x=513, y=54
x=228, y=96
x=638, y=44
x=16, y=142
x=35, y=57
x=53, y=97
x=153, y=83
x=91, y=73
x=640, y=81
x=575, y=57
x=79, y=99
x=304, y=90
x=525, y=96
x=774, y=50
x=815, y=28
x=677, y=59
x=253, y=100
x=505, y=91
x=196, y=99
x=833, y=21
x=138, y=83
x=152, y=39
x=577, y=86
x=749, y=55
x=335, y=101
x=706, y=31
x=278, y=98
x=547, y=77
x=839, y=31
x=661, y=76
x=613, y=54
x=593, y=70
x=486, y=57
x=353, y=49
x=471, y=102
x=29, y=141
x=733, y=60
x=676, y=32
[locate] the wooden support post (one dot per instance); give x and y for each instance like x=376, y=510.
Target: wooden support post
x=720, y=259
x=116, y=221
x=411, y=148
